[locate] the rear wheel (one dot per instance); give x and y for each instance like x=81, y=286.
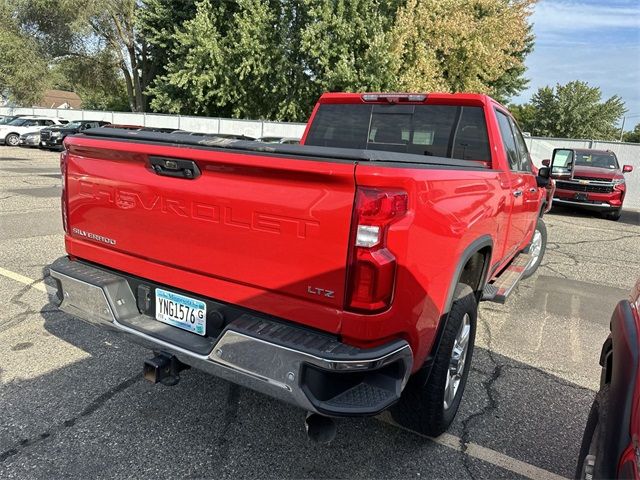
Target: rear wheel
x=12, y=139
x=429, y=405
x=537, y=247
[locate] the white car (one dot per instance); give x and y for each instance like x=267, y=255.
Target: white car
x=10, y=133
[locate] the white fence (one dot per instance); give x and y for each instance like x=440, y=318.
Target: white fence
x=541, y=148
x=251, y=128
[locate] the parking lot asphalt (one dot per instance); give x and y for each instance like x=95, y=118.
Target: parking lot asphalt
x=73, y=402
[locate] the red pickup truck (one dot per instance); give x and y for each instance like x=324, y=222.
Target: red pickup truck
x=342, y=275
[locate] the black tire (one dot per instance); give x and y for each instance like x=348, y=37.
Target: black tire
x=615, y=215
x=542, y=229
x=12, y=139
x=593, y=438
x=421, y=407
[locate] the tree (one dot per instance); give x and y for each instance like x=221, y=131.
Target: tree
x=461, y=45
x=23, y=73
x=632, y=136
x=86, y=30
x=574, y=110
x=273, y=58
x=96, y=79
x=158, y=21
x=525, y=115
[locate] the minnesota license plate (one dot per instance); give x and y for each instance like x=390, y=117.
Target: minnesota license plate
x=180, y=311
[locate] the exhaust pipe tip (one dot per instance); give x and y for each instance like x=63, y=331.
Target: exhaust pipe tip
x=320, y=429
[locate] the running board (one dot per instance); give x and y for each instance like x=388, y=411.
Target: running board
x=498, y=290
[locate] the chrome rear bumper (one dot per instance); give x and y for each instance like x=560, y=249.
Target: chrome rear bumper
x=284, y=361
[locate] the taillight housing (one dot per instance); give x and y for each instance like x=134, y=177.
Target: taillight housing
x=63, y=195
x=372, y=267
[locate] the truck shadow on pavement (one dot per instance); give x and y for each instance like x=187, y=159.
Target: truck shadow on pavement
x=97, y=417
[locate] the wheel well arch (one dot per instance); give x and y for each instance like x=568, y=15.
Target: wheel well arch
x=472, y=268
x=473, y=265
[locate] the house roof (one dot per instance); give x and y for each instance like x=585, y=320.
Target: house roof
x=59, y=99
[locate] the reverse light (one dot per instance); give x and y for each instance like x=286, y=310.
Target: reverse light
x=372, y=269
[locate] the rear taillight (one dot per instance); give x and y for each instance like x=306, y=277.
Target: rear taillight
x=63, y=196
x=372, y=269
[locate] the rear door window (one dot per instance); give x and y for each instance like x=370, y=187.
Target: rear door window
x=433, y=130
x=508, y=140
x=523, y=152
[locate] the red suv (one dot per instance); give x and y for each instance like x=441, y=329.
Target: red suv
x=590, y=179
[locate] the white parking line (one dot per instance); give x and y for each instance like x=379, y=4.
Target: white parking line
x=485, y=454
x=496, y=458
x=446, y=439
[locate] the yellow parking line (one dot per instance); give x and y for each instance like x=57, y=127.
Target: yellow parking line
x=447, y=440
x=22, y=279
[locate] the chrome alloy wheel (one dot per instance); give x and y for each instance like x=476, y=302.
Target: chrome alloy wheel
x=535, y=249
x=457, y=362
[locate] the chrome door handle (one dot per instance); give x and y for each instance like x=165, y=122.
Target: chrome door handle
x=517, y=193
x=533, y=190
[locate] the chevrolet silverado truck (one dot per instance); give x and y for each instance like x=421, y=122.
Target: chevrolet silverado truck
x=589, y=179
x=341, y=275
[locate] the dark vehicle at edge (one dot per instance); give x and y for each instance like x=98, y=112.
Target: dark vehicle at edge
x=51, y=138
x=610, y=445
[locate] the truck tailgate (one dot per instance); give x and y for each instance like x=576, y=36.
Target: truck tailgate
x=274, y=223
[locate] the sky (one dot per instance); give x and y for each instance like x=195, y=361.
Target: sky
x=597, y=41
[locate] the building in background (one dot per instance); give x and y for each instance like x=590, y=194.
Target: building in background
x=59, y=99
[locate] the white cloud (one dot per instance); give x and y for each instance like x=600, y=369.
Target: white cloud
x=567, y=16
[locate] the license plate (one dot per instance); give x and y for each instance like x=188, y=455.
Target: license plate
x=180, y=311
x=581, y=196
x=43, y=143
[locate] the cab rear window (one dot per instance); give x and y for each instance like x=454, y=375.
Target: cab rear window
x=434, y=130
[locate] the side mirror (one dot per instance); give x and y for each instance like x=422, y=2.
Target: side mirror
x=542, y=180
x=627, y=168
x=562, y=163
x=546, y=162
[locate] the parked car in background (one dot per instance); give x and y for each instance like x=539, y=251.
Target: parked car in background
x=30, y=139
x=610, y=445
x=10, y=133
x=5, y=119
x=51, y=137
x=281, y=140
x=590, y=179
